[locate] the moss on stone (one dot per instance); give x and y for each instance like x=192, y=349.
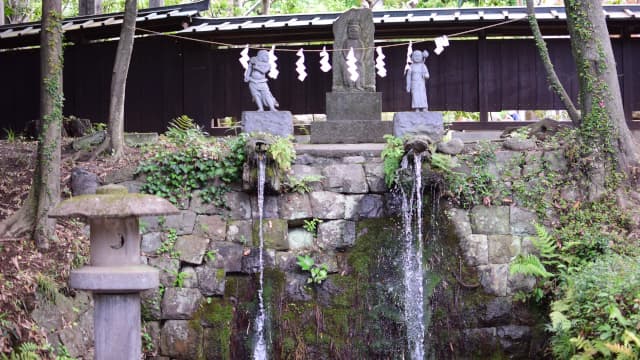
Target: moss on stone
x=217, y=316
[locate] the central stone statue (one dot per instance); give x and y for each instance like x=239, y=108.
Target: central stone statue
x=354, y=30
x=353, y=107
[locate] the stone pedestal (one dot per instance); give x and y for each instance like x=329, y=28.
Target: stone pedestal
x=117, y=336
x=426, y=123
x=279, y=123
x=345, y=106
x=352, y=117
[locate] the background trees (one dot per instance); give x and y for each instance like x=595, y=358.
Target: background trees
x=32, y=218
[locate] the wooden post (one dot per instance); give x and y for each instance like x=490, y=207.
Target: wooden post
x=483, y=97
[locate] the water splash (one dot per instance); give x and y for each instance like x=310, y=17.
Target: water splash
x=412, y=261
x=260, y=350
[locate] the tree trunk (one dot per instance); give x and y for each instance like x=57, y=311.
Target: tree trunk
x=604, y=131
x=1, y=12
x=266, y=4
x=119, y=79
x=552, y=77
x=89, y=7
x=156, y=3
x=44, y=194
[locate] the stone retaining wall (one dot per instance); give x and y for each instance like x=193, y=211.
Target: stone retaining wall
x=216, y=245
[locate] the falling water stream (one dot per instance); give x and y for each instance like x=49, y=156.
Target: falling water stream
x=412, y=260
x=260, y=350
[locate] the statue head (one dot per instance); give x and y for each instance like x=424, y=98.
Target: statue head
x=418, y=56
x=263, y=55
x=353, y=30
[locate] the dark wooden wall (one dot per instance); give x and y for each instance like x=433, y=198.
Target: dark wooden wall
x=171, y=77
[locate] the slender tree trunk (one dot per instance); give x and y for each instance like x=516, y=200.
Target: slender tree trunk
x=156, y=3
x=603, y=128
x=266, y=5
x=1, y=12
x=552, y=77
x=90, y=7
x=119, y=78
x=32, y=217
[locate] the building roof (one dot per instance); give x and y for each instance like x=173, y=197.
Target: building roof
x=103, y=26
x=390, y=24
x=398, y=24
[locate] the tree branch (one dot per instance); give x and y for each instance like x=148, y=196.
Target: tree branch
x=552, y=77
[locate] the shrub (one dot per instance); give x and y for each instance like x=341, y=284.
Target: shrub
x=187, y=160
x=599, y=313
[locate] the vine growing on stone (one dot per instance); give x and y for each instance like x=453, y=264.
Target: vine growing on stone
x=187, y=160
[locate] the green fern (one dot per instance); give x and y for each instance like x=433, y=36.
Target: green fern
x=182, y=122
x=26, y=351
x=529, y=265
x=392, y=155
x=441, y=162
x=182, y=130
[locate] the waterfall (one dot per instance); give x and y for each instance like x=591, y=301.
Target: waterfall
x=412, y=260
x=260, y=350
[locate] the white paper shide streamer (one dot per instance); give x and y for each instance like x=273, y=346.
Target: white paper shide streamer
x=407, y=67
x=380, y=65
x=441, y=43
x=352, y=68
x=273, y=72
x=300, y=68
x=244, y=57
x=324, y=60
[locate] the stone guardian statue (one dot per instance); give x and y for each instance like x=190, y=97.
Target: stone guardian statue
x=256, y=76
x=354, y=30
x=417, y=76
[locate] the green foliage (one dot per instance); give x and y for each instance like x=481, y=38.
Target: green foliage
x=183, y=130
x=187, y=160
x=317, y=274
x=479, y=186
x=599, y=312
x=282, y=152
x=26, y=351
x=11, y=135
x=168, y=245
x=181, y=276
x=311, y=225
x=529, y=265
x=47, y=288
x=302, y=185
x=211, y=255
x=147, y=342
x=392, y=155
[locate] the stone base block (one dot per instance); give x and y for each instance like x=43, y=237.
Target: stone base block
x=279, y=123
x=419, y=123
x=350, y=132
x=343, y=106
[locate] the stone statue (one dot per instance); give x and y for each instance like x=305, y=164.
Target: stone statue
x=354, y=30
x=417, y=76
x=256, y=76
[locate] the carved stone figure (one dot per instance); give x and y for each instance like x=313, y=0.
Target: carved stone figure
x=256, y=76
x=417, y=76
x=354, y=30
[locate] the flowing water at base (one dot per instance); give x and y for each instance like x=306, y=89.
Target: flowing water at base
x=260, y=350
x=412, y=261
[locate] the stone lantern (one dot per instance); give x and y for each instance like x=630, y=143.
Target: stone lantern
x=115, y=275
